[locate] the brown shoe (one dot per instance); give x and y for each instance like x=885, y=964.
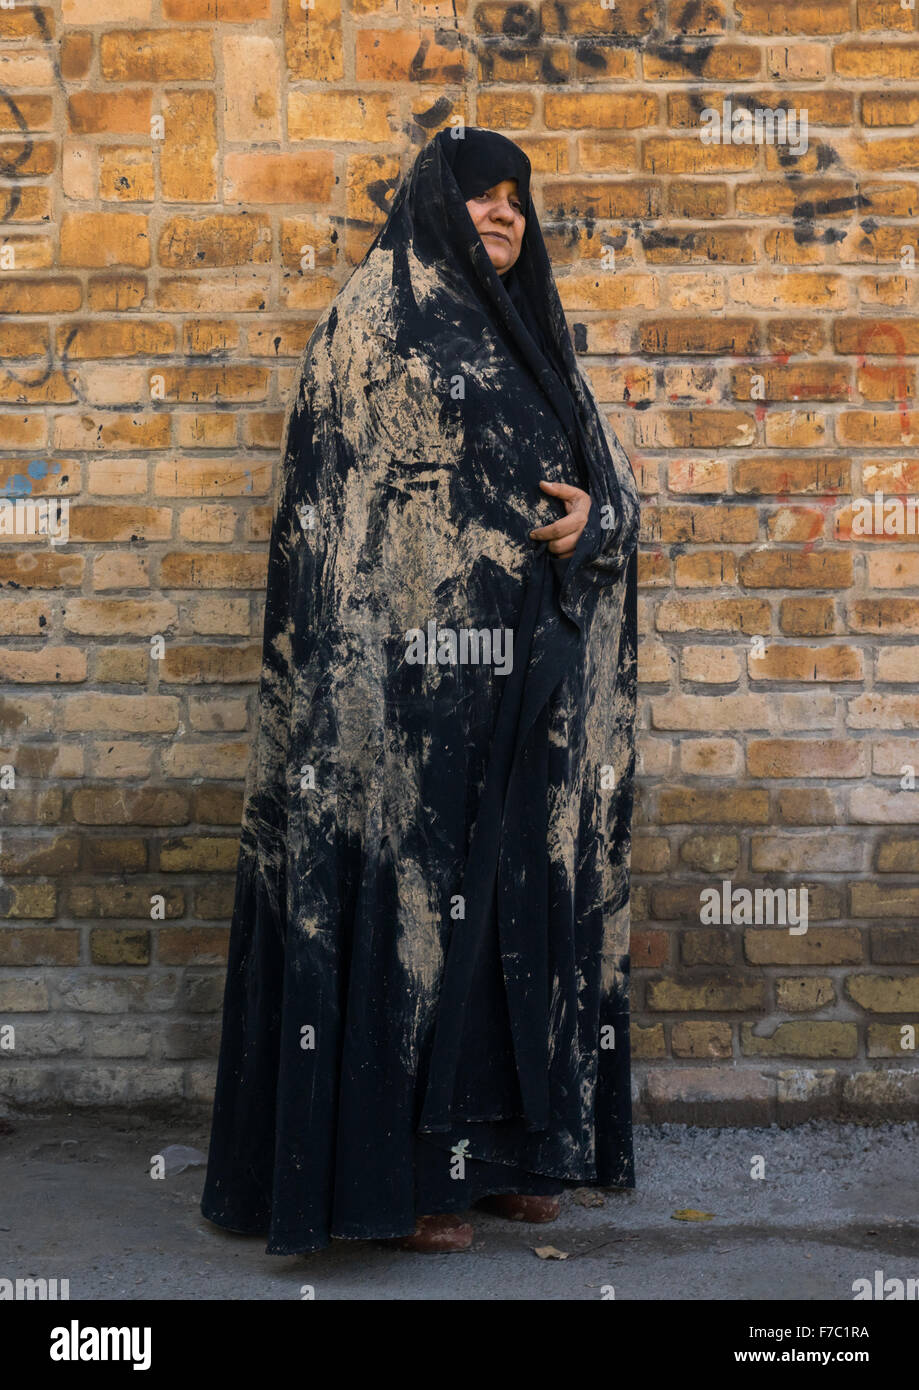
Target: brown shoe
x=518, y=1206
x=440, y=1234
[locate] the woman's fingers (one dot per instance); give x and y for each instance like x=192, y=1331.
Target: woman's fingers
x=564, y=490
x=565, y=547
x=562, y=535
x=574, y=498
x=568, y=525
x=577, y=506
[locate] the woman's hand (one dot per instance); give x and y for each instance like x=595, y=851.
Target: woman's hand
x=563, y=534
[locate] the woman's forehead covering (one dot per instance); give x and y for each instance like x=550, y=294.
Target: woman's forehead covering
x=482, y=158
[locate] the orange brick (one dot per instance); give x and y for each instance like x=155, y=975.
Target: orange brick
x=116, y=292
x=31, y=113
x=867, y=59
x=719, y=62
x=156, y=55
x=279, y=178
x=213, y=571
x=339, y=116
x=212, y=477
x=221, y=239
x=127, y=174
x=602, y=199
x=39, y=296
x=807, y=663
x=312, y=40
x=77, y=54
x=110, y=431
x=790, y=569
x=188, y=161
x=126, y=112
x=209, y=11
x=117, y=338
x=595, y=111
x=793, y=17
x=681, y=336
x=402, y=55
x=105, y=238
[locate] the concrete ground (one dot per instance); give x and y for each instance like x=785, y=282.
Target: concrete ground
x=837, y=1202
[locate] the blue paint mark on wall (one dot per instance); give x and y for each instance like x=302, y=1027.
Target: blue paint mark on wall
x=20, y=484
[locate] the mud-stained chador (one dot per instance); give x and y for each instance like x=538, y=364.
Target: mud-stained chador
x=427, y=990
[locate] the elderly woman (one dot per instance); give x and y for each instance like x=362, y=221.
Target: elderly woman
x=427, y=993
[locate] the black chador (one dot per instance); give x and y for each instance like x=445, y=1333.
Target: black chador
x=427, y=989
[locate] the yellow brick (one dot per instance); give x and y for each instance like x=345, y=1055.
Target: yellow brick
x=104, y=238
x=252, y=85
x=188, y=159
x=340, y=116
x=126, y=174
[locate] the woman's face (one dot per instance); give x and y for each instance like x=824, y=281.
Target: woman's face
x=497, y=215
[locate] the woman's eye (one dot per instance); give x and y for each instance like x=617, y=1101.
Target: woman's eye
x=488, y=198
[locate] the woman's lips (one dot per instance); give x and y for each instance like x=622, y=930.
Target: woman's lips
x=497, y=234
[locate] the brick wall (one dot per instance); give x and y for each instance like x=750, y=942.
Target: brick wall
x=748, y=315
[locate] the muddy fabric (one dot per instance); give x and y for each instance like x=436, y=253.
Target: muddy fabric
x=427, y=986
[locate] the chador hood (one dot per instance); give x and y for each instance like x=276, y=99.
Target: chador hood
x=429, y=221
x=429, y=948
